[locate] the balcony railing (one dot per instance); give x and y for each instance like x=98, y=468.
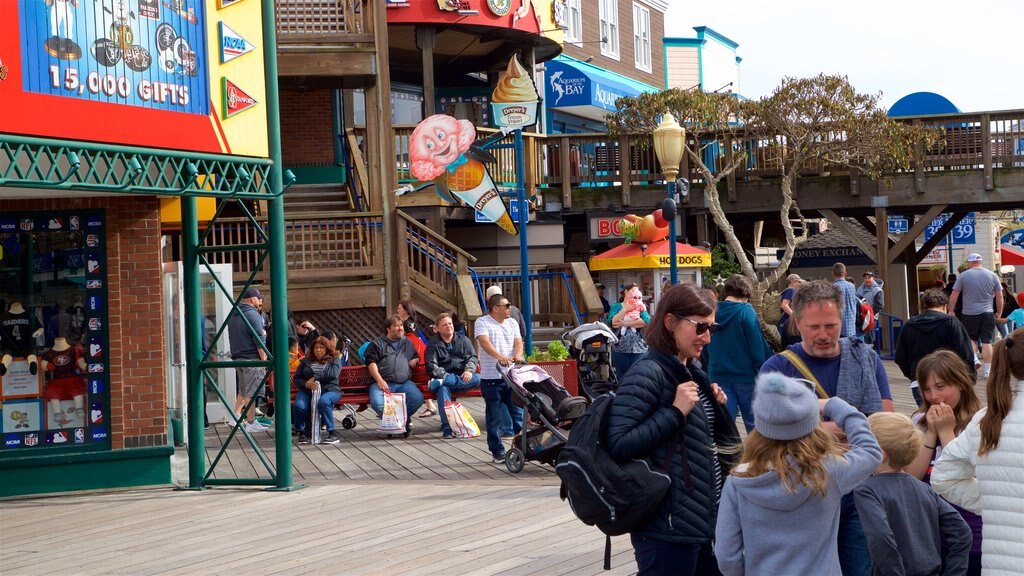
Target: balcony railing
x=309, y=19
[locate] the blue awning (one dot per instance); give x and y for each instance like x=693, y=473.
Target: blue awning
x=587, y=90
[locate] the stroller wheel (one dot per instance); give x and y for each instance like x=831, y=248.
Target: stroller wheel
x=514, y=460
x=348, y=422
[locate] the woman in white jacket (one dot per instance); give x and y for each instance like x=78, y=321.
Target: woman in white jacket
x=982, y=470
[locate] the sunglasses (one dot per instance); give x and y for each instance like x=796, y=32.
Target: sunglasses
x=702, y=327
x=505, y=305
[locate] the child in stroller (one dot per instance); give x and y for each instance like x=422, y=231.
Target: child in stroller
x=590, y=345
x=550, y=412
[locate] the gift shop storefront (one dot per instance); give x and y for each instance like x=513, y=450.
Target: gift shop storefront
x=108, y=111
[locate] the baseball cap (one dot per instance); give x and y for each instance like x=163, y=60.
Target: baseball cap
x=868, y=273
x=492, y=290
x=598, y=285
x=974, y=257
x=251, y=292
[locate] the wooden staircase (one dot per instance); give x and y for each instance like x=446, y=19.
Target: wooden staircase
x=317, y=198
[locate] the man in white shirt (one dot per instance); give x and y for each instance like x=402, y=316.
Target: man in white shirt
x=982, y=295
x=500, y=343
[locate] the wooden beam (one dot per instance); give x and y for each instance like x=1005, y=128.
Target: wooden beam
x=882, y=241
x=426, y=39
x=331, y=64
x=916, y=230
x=564, y=149
x=850, y=233
x=866, y=223
x=986, y=150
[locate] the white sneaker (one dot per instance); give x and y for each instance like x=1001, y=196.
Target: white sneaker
x=255, y=426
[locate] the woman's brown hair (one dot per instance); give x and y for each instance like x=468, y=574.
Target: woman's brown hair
x=1007, y=362
x=800, y=461
x=330, y=352
x=952, y=370
x=681, y=300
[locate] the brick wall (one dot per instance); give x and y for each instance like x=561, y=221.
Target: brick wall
x=137, y=378
x=307, y=128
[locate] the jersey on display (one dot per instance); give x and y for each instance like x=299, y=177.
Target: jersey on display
x=16, y=333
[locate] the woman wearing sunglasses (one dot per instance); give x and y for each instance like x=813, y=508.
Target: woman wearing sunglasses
x=628, y=318
x=666, y=411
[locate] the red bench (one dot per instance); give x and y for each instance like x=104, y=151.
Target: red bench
x=356, y=381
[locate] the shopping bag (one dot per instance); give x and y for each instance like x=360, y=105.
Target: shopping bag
x=393, y=418
x=314, y=402
x=460, y=420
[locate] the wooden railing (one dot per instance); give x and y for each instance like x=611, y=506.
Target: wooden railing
x=318, y=18
x=321, y=246
x=434, y=263
x=556, y=298
x=978, y=141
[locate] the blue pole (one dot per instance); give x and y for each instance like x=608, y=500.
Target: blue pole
x=674, y=265
x=524, y=252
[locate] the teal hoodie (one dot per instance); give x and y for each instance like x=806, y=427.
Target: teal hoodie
x=737, y=348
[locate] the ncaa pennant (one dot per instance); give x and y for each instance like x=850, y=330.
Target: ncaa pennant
x=235, y=101
x=232, y=45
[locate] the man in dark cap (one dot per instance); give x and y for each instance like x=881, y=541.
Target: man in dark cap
x=248, y=344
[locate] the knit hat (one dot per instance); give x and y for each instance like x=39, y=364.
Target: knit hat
x=784, y=408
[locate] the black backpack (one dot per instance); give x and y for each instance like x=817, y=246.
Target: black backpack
x=616, y=497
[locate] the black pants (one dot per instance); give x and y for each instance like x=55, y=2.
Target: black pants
x=657, y=558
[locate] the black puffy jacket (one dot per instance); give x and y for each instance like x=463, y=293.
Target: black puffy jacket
x=642, y=423
x=328, y=378
x=927, y=332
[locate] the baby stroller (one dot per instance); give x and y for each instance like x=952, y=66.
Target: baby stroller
x=590, y=345
x=549, y=413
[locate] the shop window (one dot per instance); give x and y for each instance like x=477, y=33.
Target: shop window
x=609, y=28
x=54, y=390
x=642, y=37
x=573, y=21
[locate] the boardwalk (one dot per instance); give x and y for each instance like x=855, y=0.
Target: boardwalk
x=371, y=506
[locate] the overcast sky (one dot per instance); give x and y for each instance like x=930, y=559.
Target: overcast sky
x=969, y=52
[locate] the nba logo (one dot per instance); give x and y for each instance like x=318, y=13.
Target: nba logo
x=73, y=222
x=79, y=435
x=92, y=240
x=94, y=324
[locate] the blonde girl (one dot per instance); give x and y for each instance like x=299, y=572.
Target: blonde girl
x=983, y=468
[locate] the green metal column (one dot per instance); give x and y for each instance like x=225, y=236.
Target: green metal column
x=278, y=270
x=193, y=343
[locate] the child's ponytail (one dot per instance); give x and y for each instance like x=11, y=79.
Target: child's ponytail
x=1007, y=363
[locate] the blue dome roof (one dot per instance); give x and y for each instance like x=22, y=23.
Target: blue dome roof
x=921, y=104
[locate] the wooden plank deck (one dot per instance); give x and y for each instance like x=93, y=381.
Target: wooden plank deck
x=372, y=506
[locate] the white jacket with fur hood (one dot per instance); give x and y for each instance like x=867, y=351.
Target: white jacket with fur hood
x=991, y=485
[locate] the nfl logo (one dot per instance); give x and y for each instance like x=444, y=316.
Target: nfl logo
x=31, y=439
x=27, y=224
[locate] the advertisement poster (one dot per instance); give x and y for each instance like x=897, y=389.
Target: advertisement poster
x=19, y=381
x=22, y=416
x=132, y=72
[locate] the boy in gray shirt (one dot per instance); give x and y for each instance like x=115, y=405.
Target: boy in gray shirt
x=904, y=521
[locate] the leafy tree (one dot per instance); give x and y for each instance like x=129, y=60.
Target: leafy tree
x=805, y=124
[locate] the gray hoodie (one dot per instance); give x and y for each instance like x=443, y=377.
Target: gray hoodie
x=763, y=529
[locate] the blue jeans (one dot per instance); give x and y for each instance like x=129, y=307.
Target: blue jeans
x=854, y=557
x=740, y=396
x=413, y=397
x=497, y=394
x=622, y=362
x=658, y=558
x=452, y=384
x=300, y=409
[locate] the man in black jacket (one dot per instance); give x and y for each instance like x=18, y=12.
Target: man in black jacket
x=929, y=331
x=390, y=360
x=451, y=364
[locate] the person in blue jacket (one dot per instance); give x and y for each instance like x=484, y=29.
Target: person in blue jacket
x=738, y=350
x=666, y=410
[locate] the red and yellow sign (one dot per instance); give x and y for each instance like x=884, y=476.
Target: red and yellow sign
x=650, y=256
x=106, y=72
x=533, y=16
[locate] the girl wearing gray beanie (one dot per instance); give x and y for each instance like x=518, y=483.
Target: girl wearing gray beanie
x=779, y=512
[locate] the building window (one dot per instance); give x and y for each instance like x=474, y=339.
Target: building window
x=642, y=37
x=609, y=17
x=574, y=21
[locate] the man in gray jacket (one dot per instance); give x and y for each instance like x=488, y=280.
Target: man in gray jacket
x=248, y=344
x=871, y=292
x=451, y=364
x=390, y=360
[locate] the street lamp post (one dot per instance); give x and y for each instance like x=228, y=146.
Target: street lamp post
x=669, y=143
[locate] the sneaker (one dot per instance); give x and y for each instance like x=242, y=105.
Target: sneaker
x=434, y=384
x=507, y=435
x=265, y=421
x=255, y=426
x=447, y=435
x=499, y=459
x=303, y=439
x=332, y=437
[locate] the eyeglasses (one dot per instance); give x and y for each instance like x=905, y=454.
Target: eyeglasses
x=702, y=327
x=505, y=305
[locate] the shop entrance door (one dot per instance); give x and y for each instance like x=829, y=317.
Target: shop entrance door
x=215, y=306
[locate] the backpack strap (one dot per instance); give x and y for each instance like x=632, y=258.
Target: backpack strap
x=802, y=367
x=607, y=552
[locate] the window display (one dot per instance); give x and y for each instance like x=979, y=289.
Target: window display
x=53, y=331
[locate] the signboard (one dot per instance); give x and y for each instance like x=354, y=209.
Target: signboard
x=605, y=228
x=898, y=224
x=936, y=256
x=962, y=233
x=513, y=213
x=131, y=72
x=533, y=16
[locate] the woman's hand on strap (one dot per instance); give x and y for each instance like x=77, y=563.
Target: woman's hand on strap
x=686, y=397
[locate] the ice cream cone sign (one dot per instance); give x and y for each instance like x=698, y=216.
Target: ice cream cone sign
x=515, y=99
x=647, y=229
x=443, y=154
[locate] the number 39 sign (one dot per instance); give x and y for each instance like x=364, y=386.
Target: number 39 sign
x=962, y=233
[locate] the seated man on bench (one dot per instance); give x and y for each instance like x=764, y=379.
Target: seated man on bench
x=390, y=360
x=451, y=364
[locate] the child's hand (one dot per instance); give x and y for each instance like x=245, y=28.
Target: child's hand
x=941, y=418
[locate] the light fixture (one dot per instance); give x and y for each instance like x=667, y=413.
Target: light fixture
x=242, y=179
x=193, y=176
x=669, y=145
x=73, y=164
x=133, y=175
x=289, y=179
